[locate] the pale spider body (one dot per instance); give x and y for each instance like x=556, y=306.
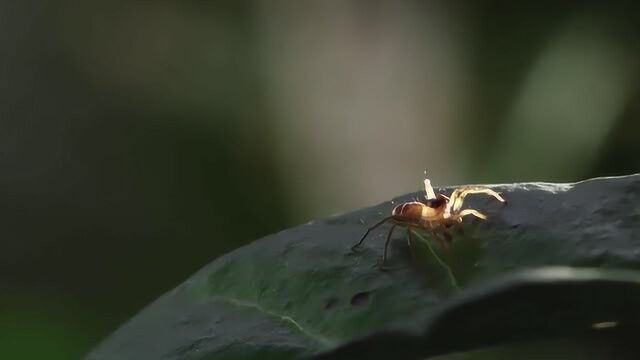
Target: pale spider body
x=436, y=214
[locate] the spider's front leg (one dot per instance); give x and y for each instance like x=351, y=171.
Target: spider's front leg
x=464, y=213
x=459, y=194
x=473, y=212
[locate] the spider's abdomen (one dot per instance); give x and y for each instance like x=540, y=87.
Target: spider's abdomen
x=409, y=211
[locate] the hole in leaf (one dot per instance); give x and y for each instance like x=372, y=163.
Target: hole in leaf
x=360, y=298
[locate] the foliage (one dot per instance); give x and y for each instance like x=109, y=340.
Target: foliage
x=556, y=264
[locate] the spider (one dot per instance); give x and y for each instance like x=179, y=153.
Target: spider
x=438, y=212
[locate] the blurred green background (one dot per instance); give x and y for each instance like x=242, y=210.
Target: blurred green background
x=141, y=140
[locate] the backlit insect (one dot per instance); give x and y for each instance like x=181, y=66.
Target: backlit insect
x=436, y=214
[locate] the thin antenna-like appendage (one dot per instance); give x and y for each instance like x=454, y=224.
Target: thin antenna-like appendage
x=369, y=230
x=431, y=195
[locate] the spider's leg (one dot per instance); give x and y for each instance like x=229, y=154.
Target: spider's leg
x=442, y=242
x=458, y=196
x=428, y=189
x=475, y=213
x=447, y=235
x=486, y=191
x=455, y=202
x=369, y=230
x=455, y=198
x=410, y=242
x=386, y=244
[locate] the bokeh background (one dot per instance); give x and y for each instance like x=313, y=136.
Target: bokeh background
x=141, y=140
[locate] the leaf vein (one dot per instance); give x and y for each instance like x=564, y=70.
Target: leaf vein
x=322, y=340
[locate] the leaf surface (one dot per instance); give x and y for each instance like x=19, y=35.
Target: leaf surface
x=303, y=292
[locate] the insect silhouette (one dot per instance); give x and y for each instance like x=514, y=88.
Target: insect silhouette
x=436, y=215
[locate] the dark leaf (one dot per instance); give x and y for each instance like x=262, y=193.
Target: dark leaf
x=303, y=292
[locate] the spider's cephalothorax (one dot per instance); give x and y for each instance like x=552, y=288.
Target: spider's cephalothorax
x=436, y=214
x=418, y=211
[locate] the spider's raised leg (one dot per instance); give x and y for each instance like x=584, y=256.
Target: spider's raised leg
x=459, y=194
x=386, y=244
x=428, y=189
x=369, y=230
